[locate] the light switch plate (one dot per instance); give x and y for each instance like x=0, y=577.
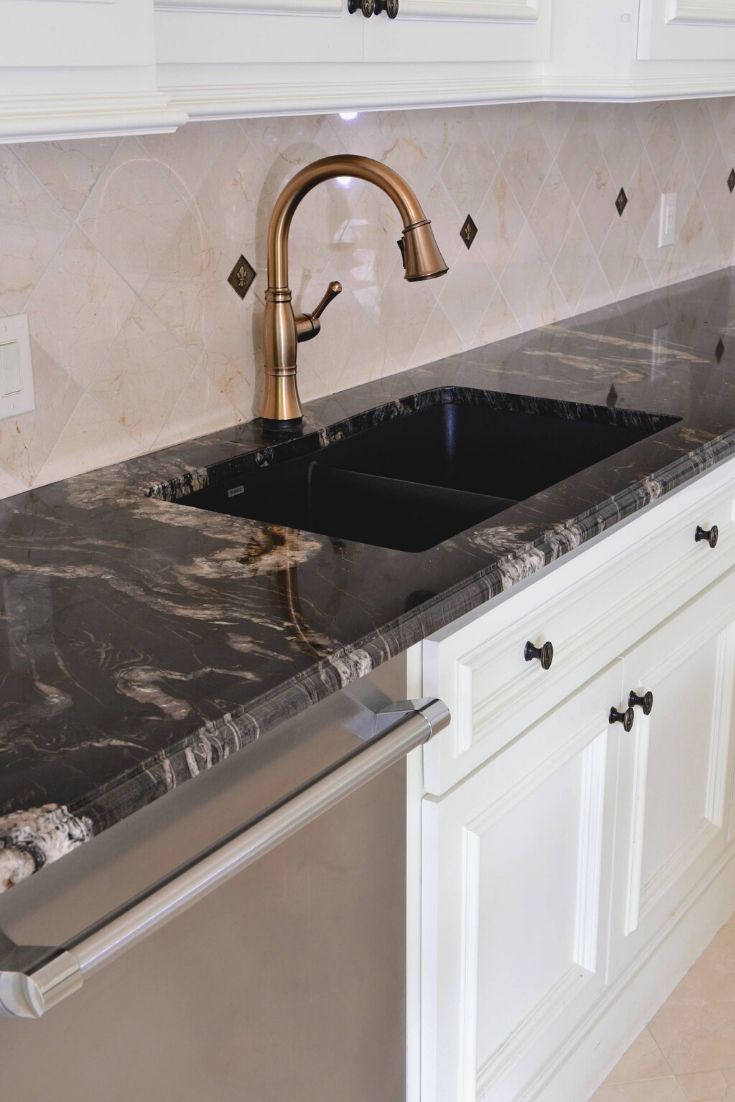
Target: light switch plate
x=667, y=219
x=16, y=372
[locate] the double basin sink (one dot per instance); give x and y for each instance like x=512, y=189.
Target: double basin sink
x=412, y=474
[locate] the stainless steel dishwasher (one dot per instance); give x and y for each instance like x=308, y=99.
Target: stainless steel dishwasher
x=280, y=970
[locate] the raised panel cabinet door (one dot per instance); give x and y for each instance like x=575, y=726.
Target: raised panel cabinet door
x=686, y=30
x=515, y=899
x=675, y=771
x=461, y=31
x=229, y=50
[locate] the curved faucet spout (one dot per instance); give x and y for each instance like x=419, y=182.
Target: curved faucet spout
x=283, y=329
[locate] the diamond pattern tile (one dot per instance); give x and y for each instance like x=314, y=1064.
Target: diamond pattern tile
x=121, y=251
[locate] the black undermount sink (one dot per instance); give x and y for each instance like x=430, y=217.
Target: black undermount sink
x=408, y=478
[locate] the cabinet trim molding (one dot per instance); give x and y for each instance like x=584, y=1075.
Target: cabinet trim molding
x=700, y=11
x=197, y=91
x=500, y=11
x=91, y=114
x=253, y=7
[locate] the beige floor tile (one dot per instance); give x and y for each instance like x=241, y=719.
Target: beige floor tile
x=643, y=1060
x=702, y=1086
x=695, y=1036
x=645, y=1090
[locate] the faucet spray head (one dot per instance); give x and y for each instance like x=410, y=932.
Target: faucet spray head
x=420, y=252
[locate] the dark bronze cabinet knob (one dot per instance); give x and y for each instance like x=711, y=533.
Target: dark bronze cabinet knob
x=711, y=535
x=645, y=702
x=390, y=7
x=545, y=654
x=367, y=7
x=627, y=718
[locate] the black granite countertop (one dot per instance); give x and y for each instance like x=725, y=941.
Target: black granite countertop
x=143, y=642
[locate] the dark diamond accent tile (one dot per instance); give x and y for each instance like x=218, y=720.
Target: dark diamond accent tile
x=468, y=233
x=612, y=397
x=731, y=180
x=720, y=349
x=621, y=202
x=241, y=277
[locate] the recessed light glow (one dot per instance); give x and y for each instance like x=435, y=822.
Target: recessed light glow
x=348, y=116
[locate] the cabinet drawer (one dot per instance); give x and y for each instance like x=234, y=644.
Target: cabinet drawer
x=592, y=607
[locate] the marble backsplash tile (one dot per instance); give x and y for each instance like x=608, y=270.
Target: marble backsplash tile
x=119, y=252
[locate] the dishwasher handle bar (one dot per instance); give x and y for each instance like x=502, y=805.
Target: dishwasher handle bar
x=29, y=992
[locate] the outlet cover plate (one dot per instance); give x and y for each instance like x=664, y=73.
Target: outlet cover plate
x=16, y=373
x=667, y=219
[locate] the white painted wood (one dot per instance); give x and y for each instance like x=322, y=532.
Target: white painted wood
x=698, y=12
x=576, y=871
x=675, y=767
x=502, y=11
x=515, y=898
x=593, y=1049
x=72, y=68
x=686, y=30
x=591, y=607
x=282, y=7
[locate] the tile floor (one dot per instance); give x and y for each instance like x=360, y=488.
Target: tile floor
x=687, y=1051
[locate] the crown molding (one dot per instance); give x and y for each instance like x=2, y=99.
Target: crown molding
x=54, y=116
x=423, y=87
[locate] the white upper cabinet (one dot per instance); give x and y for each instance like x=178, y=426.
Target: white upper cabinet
x=231, y=57
x=73, y=68
x=687, y=30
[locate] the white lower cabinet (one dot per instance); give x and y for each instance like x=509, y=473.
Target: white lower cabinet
x=675, y=769
x=516, y=890
x=567, y=879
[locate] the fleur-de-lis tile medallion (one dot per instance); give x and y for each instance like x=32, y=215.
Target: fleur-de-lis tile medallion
x=621, y=202
x=241, y=276
x=731, y=180
x=468, y=233
x=719, y=349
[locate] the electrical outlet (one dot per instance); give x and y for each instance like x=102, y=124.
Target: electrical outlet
x=667, y=220
x=16, y=372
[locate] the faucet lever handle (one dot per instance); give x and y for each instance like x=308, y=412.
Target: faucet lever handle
x=308, y=325
x=334, y=289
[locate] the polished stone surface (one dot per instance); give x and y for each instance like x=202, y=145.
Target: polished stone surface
x=143, y=642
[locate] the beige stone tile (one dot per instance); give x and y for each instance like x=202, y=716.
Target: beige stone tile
x=576, y=263
x=695, y=1037
x=643, y=1060
x=463, y=291
x=467, y=173
x=141, y=377
x=79, y=307
x=621, y=143
x=697, y=132
x=32, y=226
x=529, y=286
x=133, y=213
x=526, y=164
x=69, y=169
x=552, y=214
x=26, y=442
x=645, y=1090
x=597, y=207
x=91, y=438
x=500, y=221
x=703, y=1086
x=579, y=158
